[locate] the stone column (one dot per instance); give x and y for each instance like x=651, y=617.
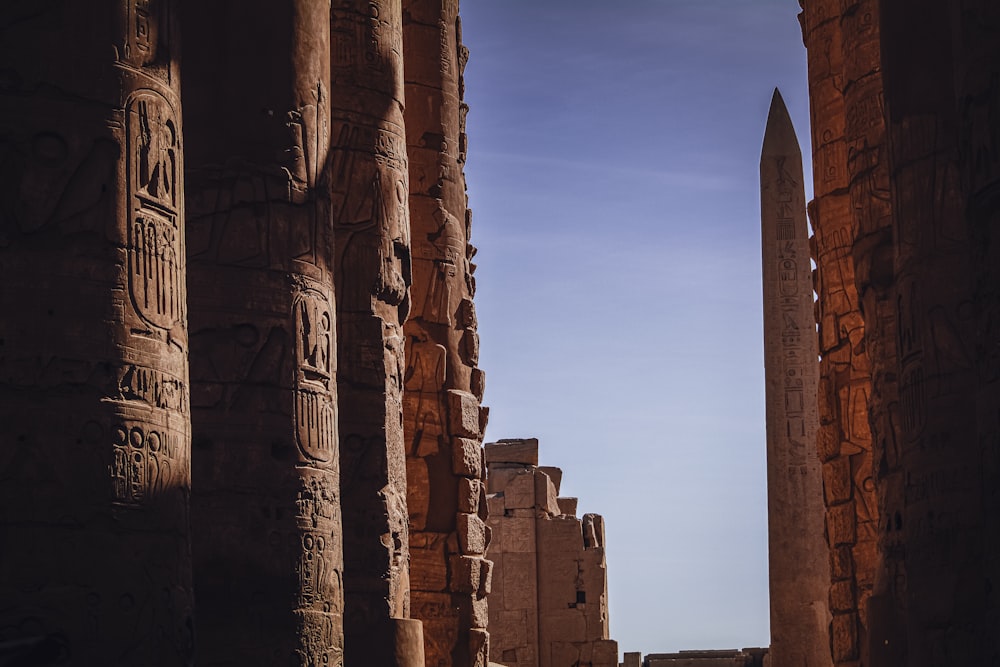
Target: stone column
x=95, y=444
x=975, y=25
x=266, y=510
x=799, y=571
x=844, y=437
x=867, y=168
x=443, y=419
x=369, y=185
x=938, y=512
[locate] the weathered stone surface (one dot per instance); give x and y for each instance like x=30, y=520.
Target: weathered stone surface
x=264, y=341
x=839, y=41
x=519, y=451
x=567, y=505
x=798, y=576
x=549, y=605
x=95, y=444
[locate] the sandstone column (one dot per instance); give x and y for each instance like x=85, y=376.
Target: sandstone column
x=867, y=168
x=799, y=579
x=443, y=420
x=266, y=511
x=975, y=25
x=844, y=437
x=369, y=185
x=939, y=511
x=95, y=444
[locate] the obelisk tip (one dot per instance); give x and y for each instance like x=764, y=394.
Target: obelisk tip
x=779, y=134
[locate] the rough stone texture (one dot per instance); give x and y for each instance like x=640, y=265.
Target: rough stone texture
x=443, y=420
x=799, y=580
x=938, y=611
x=549, y=600
x=844, y=436
x=921, y=133
x=369, y=185
x=95, y=443
x=266, y=507
x=748, y=657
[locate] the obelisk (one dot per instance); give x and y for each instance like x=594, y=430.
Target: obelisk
x=798, y=561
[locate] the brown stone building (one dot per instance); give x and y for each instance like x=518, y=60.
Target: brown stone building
x=549, y=605
x=239, y=384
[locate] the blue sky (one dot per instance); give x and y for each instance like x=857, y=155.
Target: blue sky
x=612, y=171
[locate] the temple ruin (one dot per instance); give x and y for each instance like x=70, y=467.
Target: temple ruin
x=242, y=408
x=549, y=605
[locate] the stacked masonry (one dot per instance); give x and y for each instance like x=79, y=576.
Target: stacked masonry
x=549, y=606
x=844, y=438
x=442, y=416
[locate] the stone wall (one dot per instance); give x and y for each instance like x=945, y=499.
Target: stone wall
x=549, y=605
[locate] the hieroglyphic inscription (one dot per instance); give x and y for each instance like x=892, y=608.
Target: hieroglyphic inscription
x=154, y=387
x=793, y=352
x=145, y=461
x=156, y=266
x=315, y=410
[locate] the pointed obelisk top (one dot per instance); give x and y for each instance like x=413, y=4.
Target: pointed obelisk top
x=779, y=135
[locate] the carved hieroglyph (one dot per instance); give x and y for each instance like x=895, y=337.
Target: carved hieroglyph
x=94, y=459
x=844, y=437
x=266, y=503
x=369, y=189
x=937, y=609
x=799, y=574
x=443, y=419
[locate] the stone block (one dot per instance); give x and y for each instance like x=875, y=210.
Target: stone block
x=495, y=505
x=842, y=596
x=467, y=457
x=844, y=637
x=464, y=414
x=522, y=451
x=465, y=573
x=520, y=577
x=509, y=629
x=498, y=476
x=605, y=653
x=471, y=533
x=567, y=506
x=841, y=563
x=555, y=474
x=468, y=494
x=473, y=612
x=837, y=482
x=485, y=579
x=479, y=647
x=840, y=524
x=545, y=494
x=632, y=660
x=520, y=491
x=428, y=567
x=559, y=534
x=418, y=492
x=517, y=535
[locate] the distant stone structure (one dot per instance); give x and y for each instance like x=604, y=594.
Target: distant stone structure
x=799, y=575
x=549, y=605
x=747, y=657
